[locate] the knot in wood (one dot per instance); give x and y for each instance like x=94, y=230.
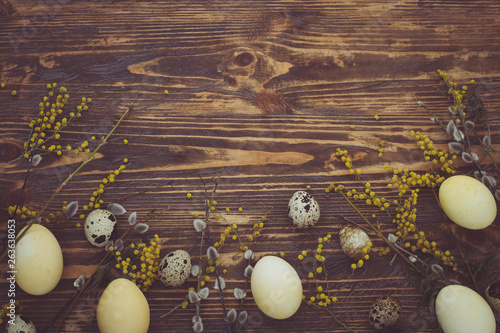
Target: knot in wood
x=9, y=151
x=243, y=59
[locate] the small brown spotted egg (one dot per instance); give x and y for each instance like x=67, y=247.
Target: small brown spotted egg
x=22, y=324
x=99, y=226
x=175, y=268
x=353, y=240
x=303, y=210
x=385, y=311
x=492, y=295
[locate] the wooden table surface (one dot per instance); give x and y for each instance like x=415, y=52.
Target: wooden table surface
x=264, y=91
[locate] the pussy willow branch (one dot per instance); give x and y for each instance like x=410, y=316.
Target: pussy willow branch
x=66, y=181
x=488, y=149
x=336, y=319
x=245, y=288
x=466, y=145
x=380, y=235
x=207, y=215
x=461, y=112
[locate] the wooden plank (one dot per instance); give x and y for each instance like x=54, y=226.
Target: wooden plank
x=265, y=91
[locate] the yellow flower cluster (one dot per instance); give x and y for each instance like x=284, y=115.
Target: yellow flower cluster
x=58, y=216
x=405, y=220
x=25, y=212
x=442, y=157
x=320, y=299
x=425, y=246
x=403, y=180
x=218, y=245
x=22, y=212
x=455, y=92
x=407, y=216
x=211, y=266
x=210, y=269
x=212, y=204
x=50, y=121
x=256, y=232
x=4, y=311
x=323, y=300
x=140, y=262
x=347, y=161
x=82, y=148
x=407, y=232
x=95, y=200
x=223, y=236
x=257, y=228
x=382, y=145
x=368, y=196
x=319, y=263
x=204, y=279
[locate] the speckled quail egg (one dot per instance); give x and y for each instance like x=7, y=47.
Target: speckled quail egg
x=385, y=311
x=353, y=240
x=303, y=210
x=22, y=324
x=99, y=226
x=492, y=295
x=175, y=268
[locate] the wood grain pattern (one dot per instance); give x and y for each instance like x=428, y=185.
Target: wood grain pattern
x=265, y=91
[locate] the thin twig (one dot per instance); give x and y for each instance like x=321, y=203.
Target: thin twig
x=87, y=160
x=175, y=308
x=142, y=192
x=466, y=262
x=335, y=318
x=432, y=115
x=357, y=224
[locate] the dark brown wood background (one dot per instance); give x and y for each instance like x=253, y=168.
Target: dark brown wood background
x=266, y=91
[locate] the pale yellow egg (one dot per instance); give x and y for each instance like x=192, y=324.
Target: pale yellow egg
x=276, y=287
x=461, y=310
x=123, y=308
x=467, y=202
x=38, y=261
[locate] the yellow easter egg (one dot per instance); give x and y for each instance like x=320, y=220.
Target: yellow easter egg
x=467, y=202
x=38, y=261
x=276, y=287
x=123, y=308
